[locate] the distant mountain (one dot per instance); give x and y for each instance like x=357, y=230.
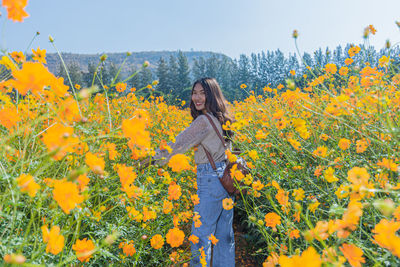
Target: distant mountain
x=136, y=59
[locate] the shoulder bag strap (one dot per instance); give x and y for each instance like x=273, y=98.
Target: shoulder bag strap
x=216, y=130
x=210, y=159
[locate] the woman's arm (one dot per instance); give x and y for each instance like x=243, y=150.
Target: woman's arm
x=191, y=136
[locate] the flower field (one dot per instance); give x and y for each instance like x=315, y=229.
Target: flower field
x=323, y=189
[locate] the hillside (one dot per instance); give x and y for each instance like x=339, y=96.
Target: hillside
x=136, y=59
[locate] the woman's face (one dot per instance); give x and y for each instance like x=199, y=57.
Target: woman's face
x=199, y=97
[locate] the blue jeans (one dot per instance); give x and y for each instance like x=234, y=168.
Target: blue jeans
x=215, y=219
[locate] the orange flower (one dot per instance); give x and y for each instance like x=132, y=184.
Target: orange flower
x=320, y=151
x=67, y=195
x=388, y=164
x=148, y=214
x=175, y=237
x=354, y=50
x=353, y=254
x=167, y=206
x=330, y=68
x=157, y=241
x=126, y=175
x=179, y=162
x=15, y=9
x=83, y=181
x=243, y=86
x=272, y=219
x=195, y=199
x=120, y=87
x=27, y=184
x=39, y=55
x=174, y=191
x=361, y=145
x=344, y=143
x=95, y=163
x=343, y=71
x=196, y=220
x=59, y=140
x=358, y=176
x=9, y=117
x=283, y=198
x=386, y=237
x=18, y=57
x=227, y=203
x=112, y=152
x=32, y=76
x=84, y=249
x=128, y=248
x=309, y=258
x=213, y=239
x=135, y=130
x=294, y=233
x=348, y=61
x=55, y=241
x=194, y=239
x=257, y=185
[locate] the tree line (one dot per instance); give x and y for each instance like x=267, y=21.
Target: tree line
x=268, y=68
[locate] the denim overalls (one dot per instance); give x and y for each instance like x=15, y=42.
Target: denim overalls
x=215, y=219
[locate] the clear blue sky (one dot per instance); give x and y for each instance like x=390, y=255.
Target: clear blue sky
x=232, y=27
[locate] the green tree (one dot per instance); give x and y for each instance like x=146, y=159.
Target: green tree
x=162, y=75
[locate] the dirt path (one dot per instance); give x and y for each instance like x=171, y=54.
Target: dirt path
x=242, y=249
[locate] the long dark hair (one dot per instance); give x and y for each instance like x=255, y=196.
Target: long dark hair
x=215, y=103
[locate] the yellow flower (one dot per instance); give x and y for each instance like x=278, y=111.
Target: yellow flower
x=312, y=207
x=243, y=86
x=39, y=55
x=27, y=184
x=253, y=155
x=298, y=194
x=328, y=175
x=231, y=157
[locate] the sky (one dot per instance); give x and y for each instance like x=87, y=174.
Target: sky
x=232, y=27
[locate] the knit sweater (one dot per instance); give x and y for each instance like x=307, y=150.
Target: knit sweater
x=200, y=131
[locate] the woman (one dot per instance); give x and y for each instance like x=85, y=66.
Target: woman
x=207, y=98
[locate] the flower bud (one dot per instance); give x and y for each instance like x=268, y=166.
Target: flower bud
x=295, y=34
x=51, y=39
